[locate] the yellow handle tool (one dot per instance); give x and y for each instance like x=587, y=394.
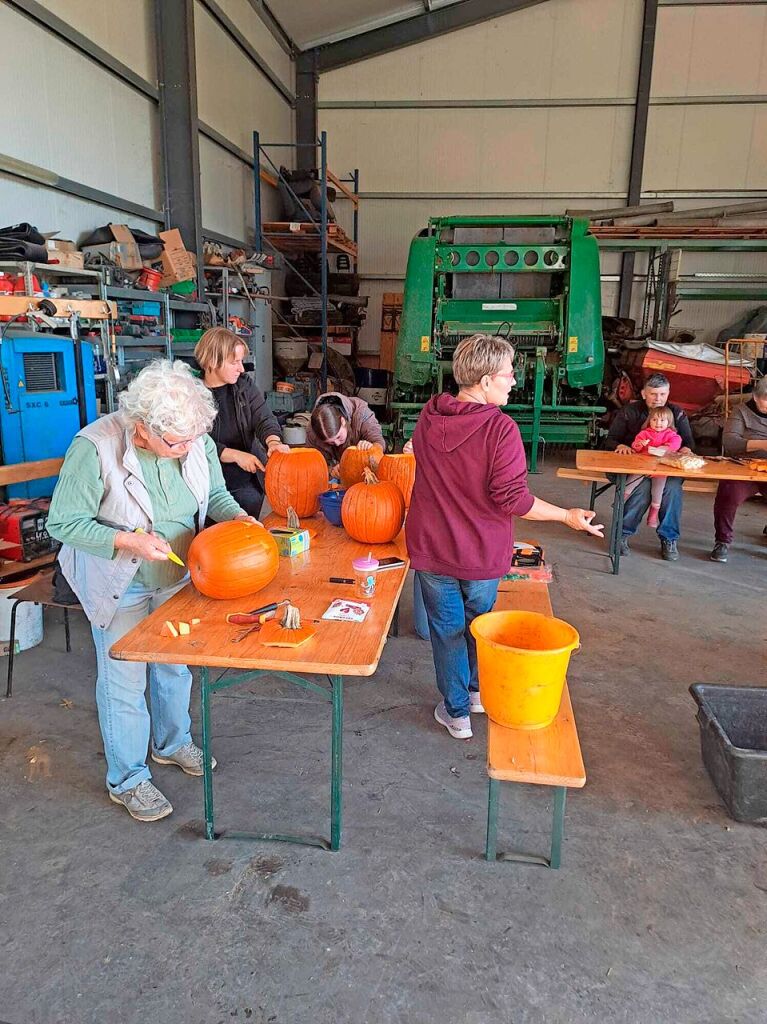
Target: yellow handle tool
x=173, y=557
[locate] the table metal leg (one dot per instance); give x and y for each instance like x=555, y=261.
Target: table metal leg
x=558, y=826
x=337, y=766
x=492, y=818
x=11, y=650
x=616, y=527
x=207, y=768
x=66, y=630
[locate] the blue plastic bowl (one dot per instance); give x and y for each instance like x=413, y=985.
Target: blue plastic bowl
x=330, y=503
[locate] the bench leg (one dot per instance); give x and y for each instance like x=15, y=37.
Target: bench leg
x=558, y=826
x=593, y=496
x=492, y=819
x=66, y=630
x=12, y=647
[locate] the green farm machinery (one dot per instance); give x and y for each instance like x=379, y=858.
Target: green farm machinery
x=533, y=280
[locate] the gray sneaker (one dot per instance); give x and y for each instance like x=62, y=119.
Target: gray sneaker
x=625, y=549
x=144, y=802
x=459, y=728
x=188, y=758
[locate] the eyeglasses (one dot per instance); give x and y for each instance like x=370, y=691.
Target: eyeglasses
x=173, y=445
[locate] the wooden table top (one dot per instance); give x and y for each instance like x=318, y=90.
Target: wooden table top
x=646, y=465
x=338, y=648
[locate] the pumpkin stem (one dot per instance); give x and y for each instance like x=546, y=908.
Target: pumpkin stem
x=369, y=476
x=292, y=617
x=294, y=522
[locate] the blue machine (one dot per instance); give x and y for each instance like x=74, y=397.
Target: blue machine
x=45, y=400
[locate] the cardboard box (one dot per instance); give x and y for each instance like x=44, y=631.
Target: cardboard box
x=65, y=258
x=62, y=244
x=178, y=264
x=291, y=542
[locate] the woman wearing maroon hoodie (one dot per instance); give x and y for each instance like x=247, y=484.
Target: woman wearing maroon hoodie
x=471, y=482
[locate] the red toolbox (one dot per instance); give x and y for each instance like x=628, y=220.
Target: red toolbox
x=23, y=524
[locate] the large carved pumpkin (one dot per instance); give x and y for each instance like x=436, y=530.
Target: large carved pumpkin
x=400, y=470
x=296, y=478
x=355, y=461
x=233, y=559
x=373, y=512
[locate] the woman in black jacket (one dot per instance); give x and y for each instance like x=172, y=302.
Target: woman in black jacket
x=246, y=431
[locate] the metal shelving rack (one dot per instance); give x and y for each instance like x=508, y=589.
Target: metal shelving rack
x=317, y=238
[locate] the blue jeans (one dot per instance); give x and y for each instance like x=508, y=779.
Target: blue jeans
x=420, y=618
x=670, y=513
x=121, y=700
x=451, y=606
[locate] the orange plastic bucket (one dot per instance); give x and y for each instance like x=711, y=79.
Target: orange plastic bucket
x=522, y=659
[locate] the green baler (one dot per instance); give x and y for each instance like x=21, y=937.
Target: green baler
x=534, y=280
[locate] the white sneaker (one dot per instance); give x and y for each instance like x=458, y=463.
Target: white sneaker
x=475, y=703
x=188, y=758
x=459, y=728
x=144, y=802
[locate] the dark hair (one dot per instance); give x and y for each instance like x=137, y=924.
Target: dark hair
x=327, y=418
x=657, y=380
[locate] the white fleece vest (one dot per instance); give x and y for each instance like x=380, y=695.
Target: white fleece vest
x=101, y=582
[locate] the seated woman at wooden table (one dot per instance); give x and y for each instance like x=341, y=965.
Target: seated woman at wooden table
x=135, y=487
x=245, y=431
x=338, y=422
x=471, y=481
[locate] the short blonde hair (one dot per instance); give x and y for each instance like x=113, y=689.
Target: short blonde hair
x=478, y=356
x=168, y=399
x=216, y=346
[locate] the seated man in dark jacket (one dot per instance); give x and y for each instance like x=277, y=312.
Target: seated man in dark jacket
x=624, y=428
x=745, y=436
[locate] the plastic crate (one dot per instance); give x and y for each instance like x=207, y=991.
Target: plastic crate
x=733, y=743
x=286, y=401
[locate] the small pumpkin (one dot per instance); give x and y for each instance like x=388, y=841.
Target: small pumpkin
x=296, y=478
x=373, y=512
x=400, y=470
x=354, y=462
x=288, y=632
x=233, y=559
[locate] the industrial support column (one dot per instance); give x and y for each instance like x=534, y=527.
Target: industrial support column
x=306, y=109
x=638, y=142
x=177, y=75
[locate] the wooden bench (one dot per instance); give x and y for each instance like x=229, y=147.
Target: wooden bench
x=542, y=757
x=600, y=483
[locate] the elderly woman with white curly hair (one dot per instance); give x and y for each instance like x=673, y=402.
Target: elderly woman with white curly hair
x=152, y=468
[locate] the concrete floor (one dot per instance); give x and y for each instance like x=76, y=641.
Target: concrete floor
x=657, y=915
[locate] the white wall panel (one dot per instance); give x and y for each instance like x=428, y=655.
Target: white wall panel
x=51, y=211
x=711, y=51
x=83, y=123
x=233, y=96
x=260, y=38
x=561, y=48
x=706, y=147
x=125, y=28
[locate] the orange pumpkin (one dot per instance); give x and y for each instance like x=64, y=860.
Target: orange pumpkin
x=296, y=478
x=373, y=512
x=355, y=461
x=233, y=559
x=400, y=470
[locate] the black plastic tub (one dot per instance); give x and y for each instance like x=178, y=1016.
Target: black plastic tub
x=733, y=742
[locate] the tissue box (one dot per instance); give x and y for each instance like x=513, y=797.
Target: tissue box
x=291, y=542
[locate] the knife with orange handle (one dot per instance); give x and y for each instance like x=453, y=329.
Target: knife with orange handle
x=258, y=615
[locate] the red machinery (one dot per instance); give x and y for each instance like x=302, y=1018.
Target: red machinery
x=694, y=383
x=22, y=523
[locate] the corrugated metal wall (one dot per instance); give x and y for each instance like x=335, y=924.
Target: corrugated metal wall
x=533, y=112
x=74, y=118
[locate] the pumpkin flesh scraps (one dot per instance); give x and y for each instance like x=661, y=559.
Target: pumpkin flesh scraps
x=288, y=632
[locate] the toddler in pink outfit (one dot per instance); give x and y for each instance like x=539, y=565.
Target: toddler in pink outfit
x=657, y=437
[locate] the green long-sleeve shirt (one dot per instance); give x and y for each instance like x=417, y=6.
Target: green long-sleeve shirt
x=73, y=516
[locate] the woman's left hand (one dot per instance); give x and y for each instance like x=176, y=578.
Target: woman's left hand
x=364, y=446
x=277, y=446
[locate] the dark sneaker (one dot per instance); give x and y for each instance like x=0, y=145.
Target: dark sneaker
x=669, y=551
x=719, y=554
x=144, y=802
x=188, y=758
x=624, y=548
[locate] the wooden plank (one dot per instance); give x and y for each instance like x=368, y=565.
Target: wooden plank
x=342, y=187
x=8, y=570
x=546, y=757
x=646, y=465
x=588, y=477
x=20, y=472
x=268, y=177
x=90, y=309
x=338, y=647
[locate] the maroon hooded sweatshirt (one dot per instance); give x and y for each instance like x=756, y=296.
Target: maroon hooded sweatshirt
x=471, y=479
